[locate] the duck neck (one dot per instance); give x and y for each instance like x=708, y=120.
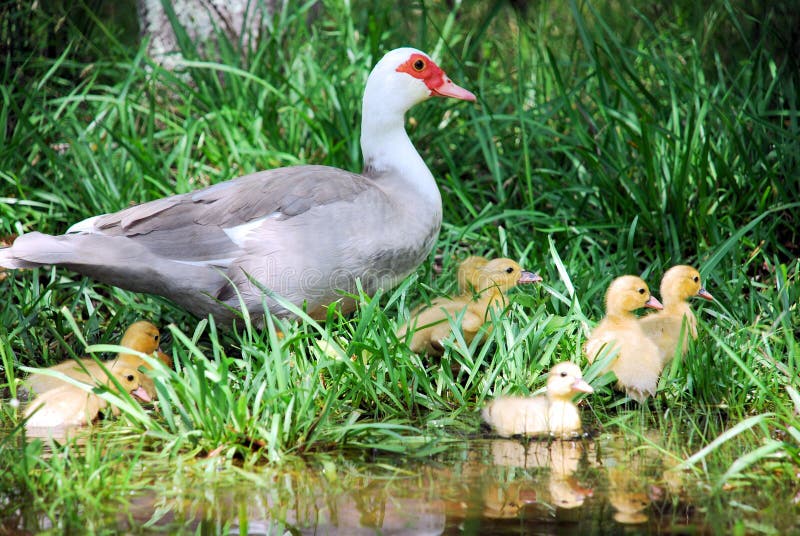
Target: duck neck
x=676, y=306
x=621, y=316
x=389, y=153
x=559, y=399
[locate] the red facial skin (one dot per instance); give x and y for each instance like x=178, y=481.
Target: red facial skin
x=422, y=68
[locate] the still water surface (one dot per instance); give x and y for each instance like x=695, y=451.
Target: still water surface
x=499, y=486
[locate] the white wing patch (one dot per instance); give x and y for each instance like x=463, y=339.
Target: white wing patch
x=221, y=263
x=239, y=234
x=85, y=226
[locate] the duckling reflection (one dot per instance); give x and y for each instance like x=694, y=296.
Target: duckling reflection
x=627, y=495
x=558, y=486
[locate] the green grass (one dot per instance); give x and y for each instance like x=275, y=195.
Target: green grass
x=602, y=143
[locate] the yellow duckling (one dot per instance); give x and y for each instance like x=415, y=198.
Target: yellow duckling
x=664, y=327
x=68, y=405
x=553, y=413
x=637, y=364
x=141, y=336
x=491, y=283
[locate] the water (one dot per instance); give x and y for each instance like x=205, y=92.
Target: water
x=482, y=487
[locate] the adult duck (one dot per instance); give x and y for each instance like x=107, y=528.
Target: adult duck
x=306, y=233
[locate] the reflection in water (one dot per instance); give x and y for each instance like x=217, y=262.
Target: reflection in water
x=488, y=487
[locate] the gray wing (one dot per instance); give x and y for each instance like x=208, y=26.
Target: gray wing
x=201, y=227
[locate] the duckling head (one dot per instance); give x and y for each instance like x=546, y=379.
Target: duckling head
x=144, y=337
x=565, y=380
x=502, y=274
x=131, y=380
x=681, y=283
x=628, y=293
x=141, y=336
x=468, y=269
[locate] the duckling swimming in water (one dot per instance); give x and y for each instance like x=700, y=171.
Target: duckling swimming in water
x=552, y=413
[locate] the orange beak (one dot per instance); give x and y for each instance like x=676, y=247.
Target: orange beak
x=449, y=89
x=653, y=303
x=529, y=277
x=582, y=386
x=141, y=394
x=706, y=295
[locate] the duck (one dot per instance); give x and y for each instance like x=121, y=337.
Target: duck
x=141, y=336
x=553, y=413
x=679, y=284
x=637, y=364
x=300, y=234
x=431, y=325
x=69, y=405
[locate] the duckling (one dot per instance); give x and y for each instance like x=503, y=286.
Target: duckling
x=553, y=413
x=664, y=327
x=69, y=405
x=637, y=364
x=491, y=283
x=141, y=336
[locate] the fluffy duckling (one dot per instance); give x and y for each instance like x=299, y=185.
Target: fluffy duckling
x=141, y=336
x=637, y=364
x=553, y=413
x=491, y=283
x=68, y=405
x=664, y=327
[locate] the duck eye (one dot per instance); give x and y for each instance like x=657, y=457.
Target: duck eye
x=418, y=65
x=509, y=269
x=563, y=374
x=155, y=337
x=129, y=377
x=696, y=279
x=641, y=291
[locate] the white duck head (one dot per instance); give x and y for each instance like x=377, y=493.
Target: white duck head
x=402, y=78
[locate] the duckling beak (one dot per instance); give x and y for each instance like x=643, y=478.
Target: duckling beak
x=706, y=295
x=141, y=394
x=580, y=385
x=653, y=303
x=529, y=277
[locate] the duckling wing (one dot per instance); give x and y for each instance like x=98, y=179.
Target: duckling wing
x=62, y=406
x=513, y=415
x=601, y=338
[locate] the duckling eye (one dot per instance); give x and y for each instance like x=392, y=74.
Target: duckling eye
x=641, y=291
x=696, y=279
x=563, y=374
x=418, y=65
x=155, y=337
x=509, y=269
x=129, y=377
